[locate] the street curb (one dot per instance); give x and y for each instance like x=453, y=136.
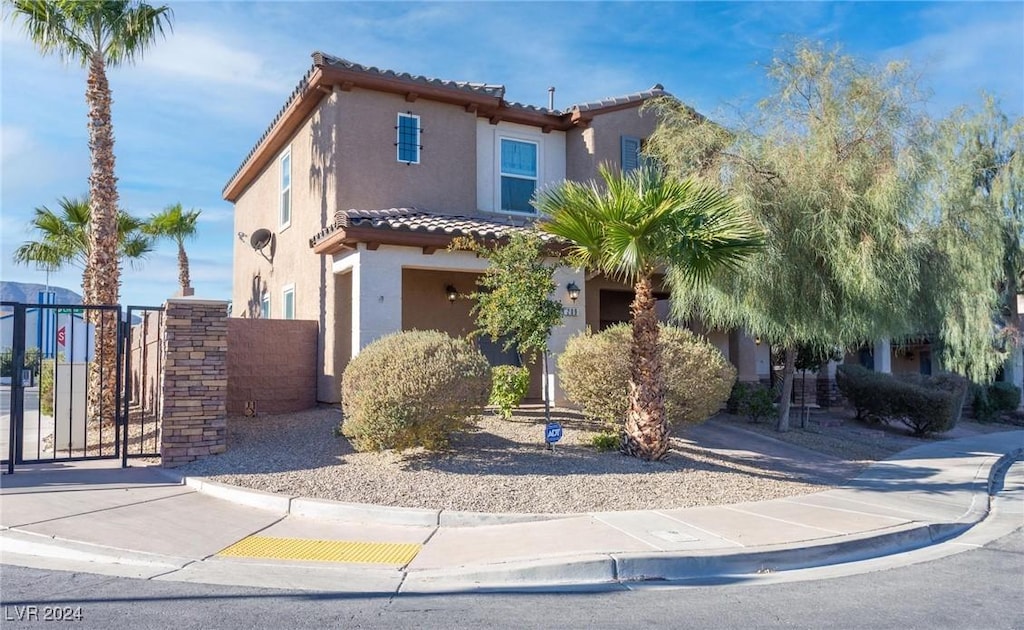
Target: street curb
x=420, y=517
x=701, y=567
x=32, y=544
x=353, y=512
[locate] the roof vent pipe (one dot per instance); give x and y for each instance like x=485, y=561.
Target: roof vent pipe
x=551, y=98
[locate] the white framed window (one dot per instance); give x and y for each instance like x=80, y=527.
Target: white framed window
x=407, y=138
x=285, y=164
x=265, y=305
x=288, y=302
x=517, y=171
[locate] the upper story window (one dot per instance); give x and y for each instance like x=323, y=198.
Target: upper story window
x=288, y=302
x=408, y=141
x=631, y=156
x=518, y=174
x=286, y=187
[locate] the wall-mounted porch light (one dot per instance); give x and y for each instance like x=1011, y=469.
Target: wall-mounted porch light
x=574, y=291
x=757, y=341
x=452, y=293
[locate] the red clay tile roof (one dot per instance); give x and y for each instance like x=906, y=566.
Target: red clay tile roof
x=418, y=221
x=322, y=58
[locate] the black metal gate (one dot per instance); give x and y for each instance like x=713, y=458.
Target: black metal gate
x=66, y=388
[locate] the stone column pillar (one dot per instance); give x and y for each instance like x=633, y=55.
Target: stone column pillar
x=883, y=356
x=194, y=381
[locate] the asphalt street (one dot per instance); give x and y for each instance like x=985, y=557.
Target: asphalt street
x=981, y=588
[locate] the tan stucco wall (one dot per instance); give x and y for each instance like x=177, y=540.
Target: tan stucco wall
x=425, y=305
x=601, y=142
x=313, y=204
x=370, y=175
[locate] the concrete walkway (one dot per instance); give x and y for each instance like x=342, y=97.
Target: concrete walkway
x=145, y=522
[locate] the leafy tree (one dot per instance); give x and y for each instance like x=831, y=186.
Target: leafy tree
x=97, y=34
x=176, y=224
x=514, y=301
x=831, y=165
x=630, y=226
x=971, y=225
x=63, y=238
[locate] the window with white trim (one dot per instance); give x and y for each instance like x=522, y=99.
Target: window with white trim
x=408, y=138
x=518, y=173
x=285, y=164
x=265, y=305
x=288, y=302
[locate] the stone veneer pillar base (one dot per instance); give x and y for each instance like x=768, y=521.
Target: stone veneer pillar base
x=194, y=381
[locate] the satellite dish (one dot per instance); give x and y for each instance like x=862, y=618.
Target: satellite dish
x=260, y=239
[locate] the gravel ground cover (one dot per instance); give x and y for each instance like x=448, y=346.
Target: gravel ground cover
x=503, y=466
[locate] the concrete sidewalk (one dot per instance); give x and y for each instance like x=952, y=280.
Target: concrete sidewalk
x=145, y=522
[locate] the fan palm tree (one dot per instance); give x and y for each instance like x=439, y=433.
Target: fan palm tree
x=630, y=227
x=176, y=224
x=64, y=238
x=97, y=34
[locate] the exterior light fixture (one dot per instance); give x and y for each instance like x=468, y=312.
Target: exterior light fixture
x=452, y=293
x=757, y=341
x=574, y=291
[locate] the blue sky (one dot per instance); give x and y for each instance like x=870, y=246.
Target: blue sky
x=188, y=113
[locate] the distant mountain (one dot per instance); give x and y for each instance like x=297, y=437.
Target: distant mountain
x=28, y=293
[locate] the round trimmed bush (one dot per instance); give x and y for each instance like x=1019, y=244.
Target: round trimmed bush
x=594, y=373
x=411, y=389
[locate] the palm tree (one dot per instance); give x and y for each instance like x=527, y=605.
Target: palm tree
x=97, y=34
x=177, y=224
x=64, y=238
x=631, y=227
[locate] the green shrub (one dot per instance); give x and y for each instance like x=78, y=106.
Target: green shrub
x=755, y=401
x=412, y=389
x=983, y=407
x=46, y=371
x=508, y=388
x=594, y=373
x=606, y=441
x=924, y=404
x=1005, y=396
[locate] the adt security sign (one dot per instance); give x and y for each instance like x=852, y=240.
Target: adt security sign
x=553, y=432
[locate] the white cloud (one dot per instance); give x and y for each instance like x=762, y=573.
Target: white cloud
x=961, y=58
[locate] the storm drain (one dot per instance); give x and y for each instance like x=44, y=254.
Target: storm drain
x=269, y=547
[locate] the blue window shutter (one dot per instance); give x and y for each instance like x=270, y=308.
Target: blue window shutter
x=630, y=153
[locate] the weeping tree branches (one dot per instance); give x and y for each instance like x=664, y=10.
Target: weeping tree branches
x=831, y=167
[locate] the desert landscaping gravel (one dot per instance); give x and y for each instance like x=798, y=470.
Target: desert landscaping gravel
x=502, y=466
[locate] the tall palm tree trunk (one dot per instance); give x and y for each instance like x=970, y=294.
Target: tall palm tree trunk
x=646, y=429
x=183, y=276
x=103, y=274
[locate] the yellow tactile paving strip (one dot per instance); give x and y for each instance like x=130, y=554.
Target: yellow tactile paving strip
x=322, y=550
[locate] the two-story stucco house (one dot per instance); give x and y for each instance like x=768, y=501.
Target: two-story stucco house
x=365, y=176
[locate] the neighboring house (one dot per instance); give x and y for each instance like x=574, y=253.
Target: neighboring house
x=346, y=205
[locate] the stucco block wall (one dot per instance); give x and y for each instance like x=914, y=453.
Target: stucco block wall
x=369, y=173
x=273, y=363
x=600, y=142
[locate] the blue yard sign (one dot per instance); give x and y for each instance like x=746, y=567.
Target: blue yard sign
x=553, y=432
